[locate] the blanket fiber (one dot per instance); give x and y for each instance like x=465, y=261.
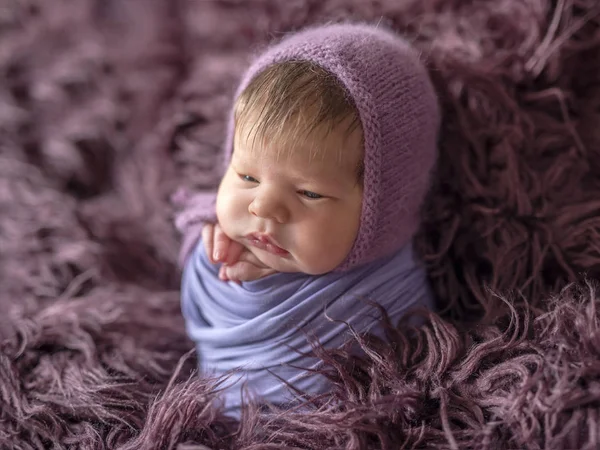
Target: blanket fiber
x=107, y=107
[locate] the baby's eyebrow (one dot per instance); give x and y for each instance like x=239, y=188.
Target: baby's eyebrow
x=242, y=159
x=322, y=182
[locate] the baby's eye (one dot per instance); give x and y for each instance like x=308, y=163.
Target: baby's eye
x=248, y=178
x=311, y=195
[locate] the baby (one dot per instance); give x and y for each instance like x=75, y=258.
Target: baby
x=329, y=152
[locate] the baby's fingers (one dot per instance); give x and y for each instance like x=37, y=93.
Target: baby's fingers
x=244, y=271
x=223, y=273
x=221, y=243
x=234, y=252
x=208, y=231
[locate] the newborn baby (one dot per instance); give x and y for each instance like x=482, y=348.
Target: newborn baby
x=329, y=152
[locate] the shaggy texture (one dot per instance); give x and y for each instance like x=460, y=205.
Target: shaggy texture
x=108, y=107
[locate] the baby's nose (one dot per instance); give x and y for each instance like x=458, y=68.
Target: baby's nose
x=268, y=206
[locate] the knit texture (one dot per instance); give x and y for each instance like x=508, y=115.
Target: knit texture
x=400, y=118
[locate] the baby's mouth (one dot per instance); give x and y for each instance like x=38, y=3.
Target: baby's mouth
x=265, y=242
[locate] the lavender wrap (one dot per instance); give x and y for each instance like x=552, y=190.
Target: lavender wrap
x=260, y=326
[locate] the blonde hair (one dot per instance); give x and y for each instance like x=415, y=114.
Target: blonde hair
x=291, y=102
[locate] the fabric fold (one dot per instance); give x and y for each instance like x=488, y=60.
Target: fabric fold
x=261, y=326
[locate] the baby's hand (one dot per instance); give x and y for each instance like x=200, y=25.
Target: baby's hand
x=219, y=247
x=239, y=264
x=247, y=268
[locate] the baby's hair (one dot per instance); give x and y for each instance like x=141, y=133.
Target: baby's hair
x=292, y=101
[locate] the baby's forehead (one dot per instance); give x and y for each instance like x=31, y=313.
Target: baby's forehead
x=309, y=159
x=320, y=146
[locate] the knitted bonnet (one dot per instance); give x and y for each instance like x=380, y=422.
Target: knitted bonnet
x=399, y=114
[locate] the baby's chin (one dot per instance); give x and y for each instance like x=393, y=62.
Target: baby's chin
x=287, y=263
x=280, y=263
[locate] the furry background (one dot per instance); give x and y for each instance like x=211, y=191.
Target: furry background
x=107, y=107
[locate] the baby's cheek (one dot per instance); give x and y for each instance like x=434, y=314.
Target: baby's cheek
x=342, y=234
x=232, y=211
x=225, y=211
x=221, y=208
x=320, y=248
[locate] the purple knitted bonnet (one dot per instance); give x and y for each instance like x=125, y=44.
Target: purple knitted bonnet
x=398, y=110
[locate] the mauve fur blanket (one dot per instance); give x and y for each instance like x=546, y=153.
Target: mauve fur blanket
x=107, y=107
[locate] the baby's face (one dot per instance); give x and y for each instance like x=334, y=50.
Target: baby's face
x=293, y=213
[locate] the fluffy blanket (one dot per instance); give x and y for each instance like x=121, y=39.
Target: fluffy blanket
x=108, y=107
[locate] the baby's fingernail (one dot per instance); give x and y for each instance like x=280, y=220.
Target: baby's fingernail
x=217, y=255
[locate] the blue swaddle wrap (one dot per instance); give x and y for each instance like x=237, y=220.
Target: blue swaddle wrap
x=257, y=325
